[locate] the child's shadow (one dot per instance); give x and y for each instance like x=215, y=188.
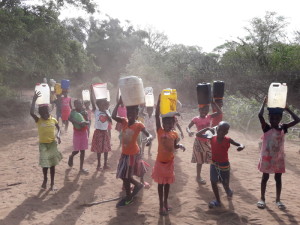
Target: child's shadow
x=164, y=220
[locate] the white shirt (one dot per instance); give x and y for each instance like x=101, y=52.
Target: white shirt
x=101, y=120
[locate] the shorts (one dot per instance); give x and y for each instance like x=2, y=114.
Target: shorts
x=220, y=172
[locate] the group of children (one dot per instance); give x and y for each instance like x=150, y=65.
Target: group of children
x=211, y=146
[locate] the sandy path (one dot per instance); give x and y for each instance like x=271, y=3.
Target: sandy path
x=27, y=204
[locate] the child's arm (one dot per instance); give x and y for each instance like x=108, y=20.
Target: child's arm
x=115, y=111
x=240, y=146
x=70, y=103
x=295, y=117
x=58, y=133
x=157, y=114
x=148, y=135
x=108, y=116
x=218, y=112
x=177, y=145
x=92, y=99
x=202, y=134
x=188, y=129
x=179, y=128
x=35, y=96
x=261, y=114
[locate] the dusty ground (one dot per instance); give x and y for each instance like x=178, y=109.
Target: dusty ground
x=26, y=203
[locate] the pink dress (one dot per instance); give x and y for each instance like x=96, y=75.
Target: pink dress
x=65, y=108
x=272, y=152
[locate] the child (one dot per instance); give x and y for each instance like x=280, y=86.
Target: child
x=49, y=154
x=217, y=119
x=163, y=171
x=201, y=148
x=66, y=108
x=122, y=112
x=130, y=150
x=89, y=114
x=272, y=151
x=101, y=138
x=57, y=103
x=80, y=135
x=149, y=124
x=220, y=167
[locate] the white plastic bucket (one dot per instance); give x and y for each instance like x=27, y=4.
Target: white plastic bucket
x=100, y=90
x=86, y=95
x=132, y=90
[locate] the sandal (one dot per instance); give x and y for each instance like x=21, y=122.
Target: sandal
x=214, y=204
x=261, y=204
x=169, y=208
x=163, y=212
x=201, y=181
x=229, y=193
x=280, y=205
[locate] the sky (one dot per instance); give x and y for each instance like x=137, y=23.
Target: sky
x=207, y=24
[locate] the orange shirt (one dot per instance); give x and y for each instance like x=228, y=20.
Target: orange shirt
x=166, y=146
x=129, y=137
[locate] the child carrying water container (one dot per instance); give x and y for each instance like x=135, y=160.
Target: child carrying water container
x=129, y=160
x=272, y=151
x=101, y=139
x=66, y=108
x=80, y=134
x=49, y=154
x=201, y=148
x=163, y=171
x=220, y=167
x=89, y=114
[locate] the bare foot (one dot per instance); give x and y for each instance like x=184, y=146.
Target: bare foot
x=84, y=171
x=52, y=188
x=44, y=184
x=99, y=167
x=106, y=167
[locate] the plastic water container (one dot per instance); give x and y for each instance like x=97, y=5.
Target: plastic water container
x=52, y=82
x=132, y=90
x=86, y=95
x=149, y=100
x=204, y=93
x=58, y=89
x=148, y=90
x=44, y=89
x=168, y=102
x=218, y=89
x=100, y=90
x=277, y=95
x=108, y=96
x=65, y=84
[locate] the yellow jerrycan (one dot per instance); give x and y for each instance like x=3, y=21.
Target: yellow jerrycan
x=168, y=102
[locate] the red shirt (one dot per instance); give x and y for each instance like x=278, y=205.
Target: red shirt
x=219, y=151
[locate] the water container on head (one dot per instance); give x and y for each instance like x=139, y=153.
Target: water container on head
x=44, y=90
x=149, y=97
x=204, y=93
x=277, y=95
x=65, y=84
x=86, y=95
x=58, y=89
x=168, y=102
x=132, y=90
x=52, y=82
x=148, y=90
x=218, y=89
x=100, y=90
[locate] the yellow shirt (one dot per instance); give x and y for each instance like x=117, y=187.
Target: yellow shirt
x=46, y=129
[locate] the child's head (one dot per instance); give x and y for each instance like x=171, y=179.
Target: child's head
x=78, y=105
x=274, y=119
x=101, y=104
x=223, y=129
x=132, y=112
x=203, y=111
x=168, y=123
x=44, y=112
x=149, y=110
x=86, y=104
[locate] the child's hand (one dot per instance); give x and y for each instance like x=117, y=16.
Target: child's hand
x=240, y=148
x=148, y=140
x=181, y=147
x=58, y=140
x=36, y=95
